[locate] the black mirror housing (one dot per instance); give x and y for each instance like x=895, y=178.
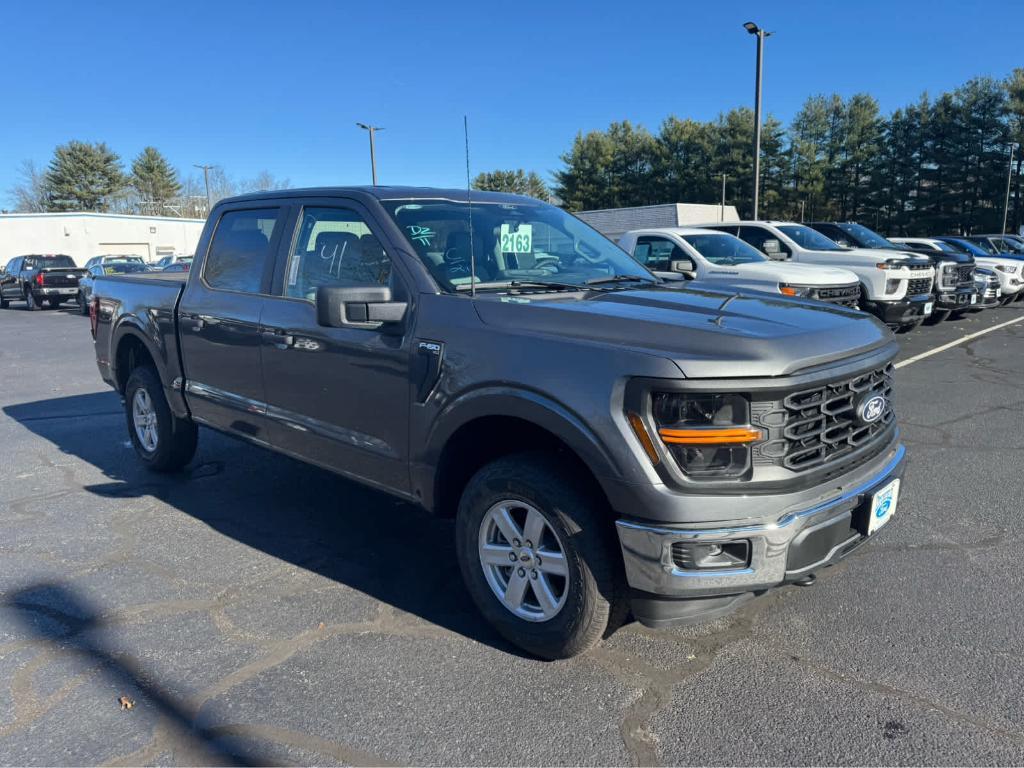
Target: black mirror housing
x=358, y=306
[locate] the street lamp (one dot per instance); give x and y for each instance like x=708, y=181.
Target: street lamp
x=1009, y=175
x=753, y=29
x=373, y=157
x=206, y=178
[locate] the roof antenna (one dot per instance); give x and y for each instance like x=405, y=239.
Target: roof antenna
x=469, y=203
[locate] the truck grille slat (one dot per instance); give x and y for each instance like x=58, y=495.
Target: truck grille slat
x=822, y=425
x=919, y=285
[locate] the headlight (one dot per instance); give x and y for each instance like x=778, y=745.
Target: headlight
x=949, y=274
x=708, y=435
x=890, y=264
x=795, y=290
x=1010, y=270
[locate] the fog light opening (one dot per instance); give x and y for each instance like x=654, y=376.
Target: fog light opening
x=711, y=556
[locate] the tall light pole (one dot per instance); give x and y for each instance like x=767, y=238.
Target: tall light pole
x=1009, y=175
x=722, y=216
x=372, y=129
x=753, y=29
x=206, y=178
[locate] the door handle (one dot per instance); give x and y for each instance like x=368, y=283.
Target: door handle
x=281, y=340
x=194, y=323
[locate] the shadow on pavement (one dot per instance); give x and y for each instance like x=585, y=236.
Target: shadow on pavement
x=367, y=540
x=58, y=617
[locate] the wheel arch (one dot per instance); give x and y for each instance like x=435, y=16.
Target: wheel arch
x=489, y=425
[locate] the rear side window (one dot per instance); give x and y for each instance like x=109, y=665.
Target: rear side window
x=238, y=254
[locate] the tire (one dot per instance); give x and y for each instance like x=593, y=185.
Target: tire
x=4, y=303
x=1007, y=300
x=30, y=301
x=938, y=316
x=83, y=307
x=54, y=303
x=166, y=443
x=581, y=606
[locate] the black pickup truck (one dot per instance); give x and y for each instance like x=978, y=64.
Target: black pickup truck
x=39, y=279
x=605, y=444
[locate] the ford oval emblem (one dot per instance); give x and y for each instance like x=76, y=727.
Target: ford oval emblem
x=871, y=410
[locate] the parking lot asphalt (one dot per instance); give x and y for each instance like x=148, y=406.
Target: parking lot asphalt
x=257, y=610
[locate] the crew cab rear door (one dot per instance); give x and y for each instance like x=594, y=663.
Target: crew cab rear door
x=219, y=318
x=339, y=397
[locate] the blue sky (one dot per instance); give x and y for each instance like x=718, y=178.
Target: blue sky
x=278, y=86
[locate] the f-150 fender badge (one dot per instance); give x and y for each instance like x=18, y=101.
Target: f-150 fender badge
x=871, y=409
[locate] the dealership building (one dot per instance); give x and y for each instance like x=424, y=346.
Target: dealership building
x=84, y=235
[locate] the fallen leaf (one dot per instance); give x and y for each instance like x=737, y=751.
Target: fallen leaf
x=322, y=625
x=125, y=702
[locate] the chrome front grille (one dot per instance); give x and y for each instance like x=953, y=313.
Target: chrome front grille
x=965, y=275
x=822, y=424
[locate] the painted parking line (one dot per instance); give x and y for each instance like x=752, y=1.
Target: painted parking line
x=961, y=340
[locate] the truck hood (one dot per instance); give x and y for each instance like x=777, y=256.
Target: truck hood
x=708, y=333
x=782, y=272
x=874, y=255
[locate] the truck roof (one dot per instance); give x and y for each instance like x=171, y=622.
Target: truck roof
x=388, y=193
x=677, y=231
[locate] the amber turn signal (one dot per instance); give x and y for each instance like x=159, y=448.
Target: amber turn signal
x=724, y=436
x=643, y=436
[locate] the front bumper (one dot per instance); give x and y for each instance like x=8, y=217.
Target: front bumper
x=786, y=549
x=964, y=297
x=903, y=311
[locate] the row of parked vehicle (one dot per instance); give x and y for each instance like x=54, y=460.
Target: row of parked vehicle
x=49, y=280
x=902, y=281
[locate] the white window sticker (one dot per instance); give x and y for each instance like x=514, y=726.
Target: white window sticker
x=518, y=241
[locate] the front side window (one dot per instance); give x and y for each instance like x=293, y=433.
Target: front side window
x=238, y=254
x=657, y=253
x=724, y=250
x=808, y=238
x=523, y=242
x=334, y=246
x=759, y=236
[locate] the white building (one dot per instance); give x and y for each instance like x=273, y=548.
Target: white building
x=613, y=222
x=84, y=235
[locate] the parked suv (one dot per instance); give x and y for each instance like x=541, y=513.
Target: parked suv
x=605, y=444
x=719, y=258
x=107, y=258
x=897, y=289
x=953, y=289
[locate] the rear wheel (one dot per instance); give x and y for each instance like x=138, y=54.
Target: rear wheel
x=162, y=441
x=54, y=303
x=540, y=558
x=30, y=301
x=4, y=303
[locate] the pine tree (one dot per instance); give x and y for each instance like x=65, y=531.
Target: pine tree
x=518, y=182
x=154, y=179
x=83, y=177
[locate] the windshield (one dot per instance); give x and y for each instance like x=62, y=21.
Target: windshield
x=867, y=238
x=1009, y=246
x=972, y=248
x=49, y=262
x=124, y=267
x=948, y=247
x=808, y=238
x=725, y=249
x=524, y=242
x=984, y=245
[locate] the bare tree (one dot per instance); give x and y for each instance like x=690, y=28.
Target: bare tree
x=29, y=193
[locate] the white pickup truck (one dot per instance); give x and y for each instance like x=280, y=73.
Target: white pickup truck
x=1008, y=269
x=709, y=256
x=897, y=289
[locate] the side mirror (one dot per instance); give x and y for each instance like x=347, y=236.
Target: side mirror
x=684, y=266
x=772, y=248
x=844, y=243
x=359, y=306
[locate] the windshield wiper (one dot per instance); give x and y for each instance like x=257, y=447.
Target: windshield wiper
x=620, y=279
x=522, y=284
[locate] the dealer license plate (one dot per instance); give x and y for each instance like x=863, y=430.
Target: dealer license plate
x=974, y=298
x=929, y=307
x=883, y=506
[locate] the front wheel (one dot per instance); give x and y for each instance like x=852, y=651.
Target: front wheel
x=162, y=441
x=908, y=327
x=539, y=557
x=938, y=316
x=83, y=305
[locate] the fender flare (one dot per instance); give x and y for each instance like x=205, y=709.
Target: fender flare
x=526, y=405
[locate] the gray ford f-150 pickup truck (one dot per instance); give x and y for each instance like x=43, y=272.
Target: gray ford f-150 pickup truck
x=606, y=444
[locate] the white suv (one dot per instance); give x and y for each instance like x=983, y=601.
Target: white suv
x=715, y=257
x=894, y=288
